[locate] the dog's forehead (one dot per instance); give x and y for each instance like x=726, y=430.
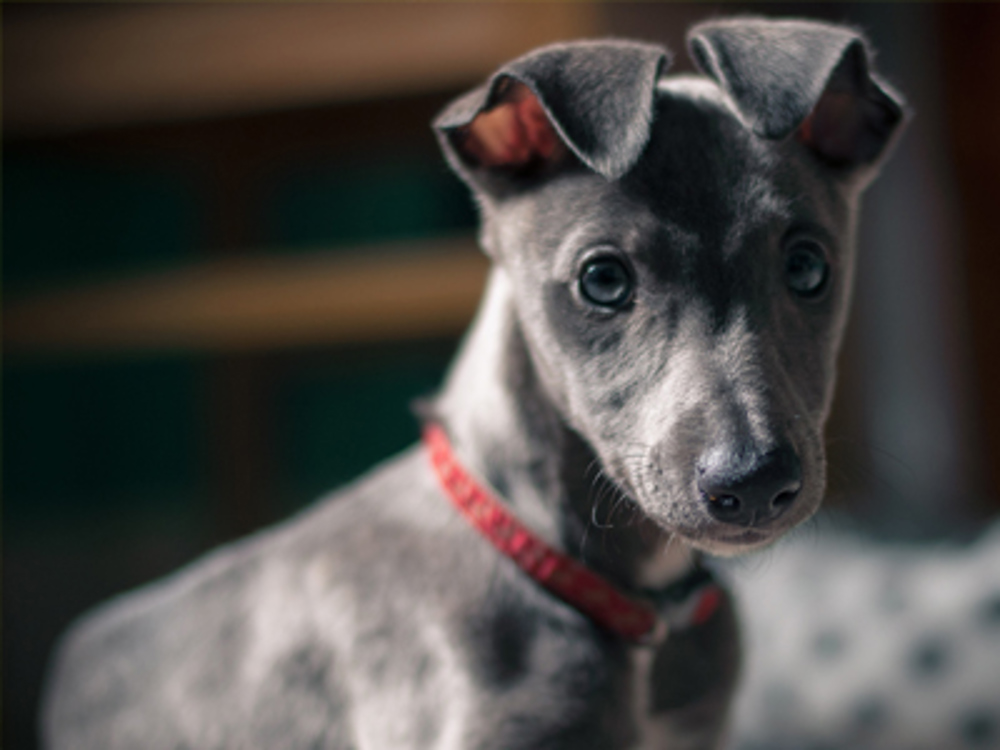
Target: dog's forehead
x=704, y=183
x=696, y=88
x=703, y=167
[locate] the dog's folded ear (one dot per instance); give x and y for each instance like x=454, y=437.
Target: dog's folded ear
x=593, y=99
x=803, y=77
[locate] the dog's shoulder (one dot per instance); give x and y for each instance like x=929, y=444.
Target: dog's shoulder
x=283, y=602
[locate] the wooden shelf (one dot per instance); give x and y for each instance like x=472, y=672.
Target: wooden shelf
x=387, y=292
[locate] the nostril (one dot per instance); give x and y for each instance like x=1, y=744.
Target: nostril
x=725, y=503
x=784, y=499
x=722, y=505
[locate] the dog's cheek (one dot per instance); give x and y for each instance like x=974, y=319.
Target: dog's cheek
x=580, y=335
x=803, y=359
x=589, y=359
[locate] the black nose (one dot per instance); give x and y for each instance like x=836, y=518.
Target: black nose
x=748, y=488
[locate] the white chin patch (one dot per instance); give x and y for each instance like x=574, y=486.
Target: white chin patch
x=734, y=547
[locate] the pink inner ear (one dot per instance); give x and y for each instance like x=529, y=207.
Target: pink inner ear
x=513, y=133
x=834, y=127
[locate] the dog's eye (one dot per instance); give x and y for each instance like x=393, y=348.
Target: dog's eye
x=606, y=282
x=806, y=268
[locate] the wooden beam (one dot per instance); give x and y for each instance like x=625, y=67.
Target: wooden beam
x=255, y=304
x=67, y=67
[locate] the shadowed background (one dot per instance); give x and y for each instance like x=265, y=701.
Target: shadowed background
x=232, y=256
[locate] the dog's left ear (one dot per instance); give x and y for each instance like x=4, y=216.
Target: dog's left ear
x=593, y=99
x=802, y=77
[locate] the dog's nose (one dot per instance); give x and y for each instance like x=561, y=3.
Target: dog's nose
x=749, y=489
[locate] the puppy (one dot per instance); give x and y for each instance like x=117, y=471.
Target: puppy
x=647, y=379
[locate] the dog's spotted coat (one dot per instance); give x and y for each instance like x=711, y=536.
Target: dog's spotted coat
x=695, y=387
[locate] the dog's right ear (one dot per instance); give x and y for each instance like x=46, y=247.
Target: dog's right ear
x=590, y=99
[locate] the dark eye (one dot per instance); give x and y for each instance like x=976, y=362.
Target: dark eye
x=806, y=268
x=606, y=282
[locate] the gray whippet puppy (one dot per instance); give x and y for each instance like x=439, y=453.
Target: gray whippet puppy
x=647, y=380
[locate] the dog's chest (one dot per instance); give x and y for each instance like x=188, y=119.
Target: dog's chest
x=658, y=729
x=653, y=729
x=544, y=685
x=680, y=692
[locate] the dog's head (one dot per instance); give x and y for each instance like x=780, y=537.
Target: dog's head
x=680, y=253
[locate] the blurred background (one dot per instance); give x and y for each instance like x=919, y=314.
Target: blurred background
x=232, y=256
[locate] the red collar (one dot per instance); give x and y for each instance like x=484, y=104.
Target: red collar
x=631, y=618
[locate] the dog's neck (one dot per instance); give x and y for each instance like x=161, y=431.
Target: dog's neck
x=508, y=432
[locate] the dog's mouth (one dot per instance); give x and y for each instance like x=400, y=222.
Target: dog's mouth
x=688, y=521
x=694, y=527
x=737, y=543
x=749, y=516
x=722, y=503
x=721, y=541
x=746, y=537
x=697, y=530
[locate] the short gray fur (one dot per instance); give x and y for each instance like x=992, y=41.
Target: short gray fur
x=379, y=618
